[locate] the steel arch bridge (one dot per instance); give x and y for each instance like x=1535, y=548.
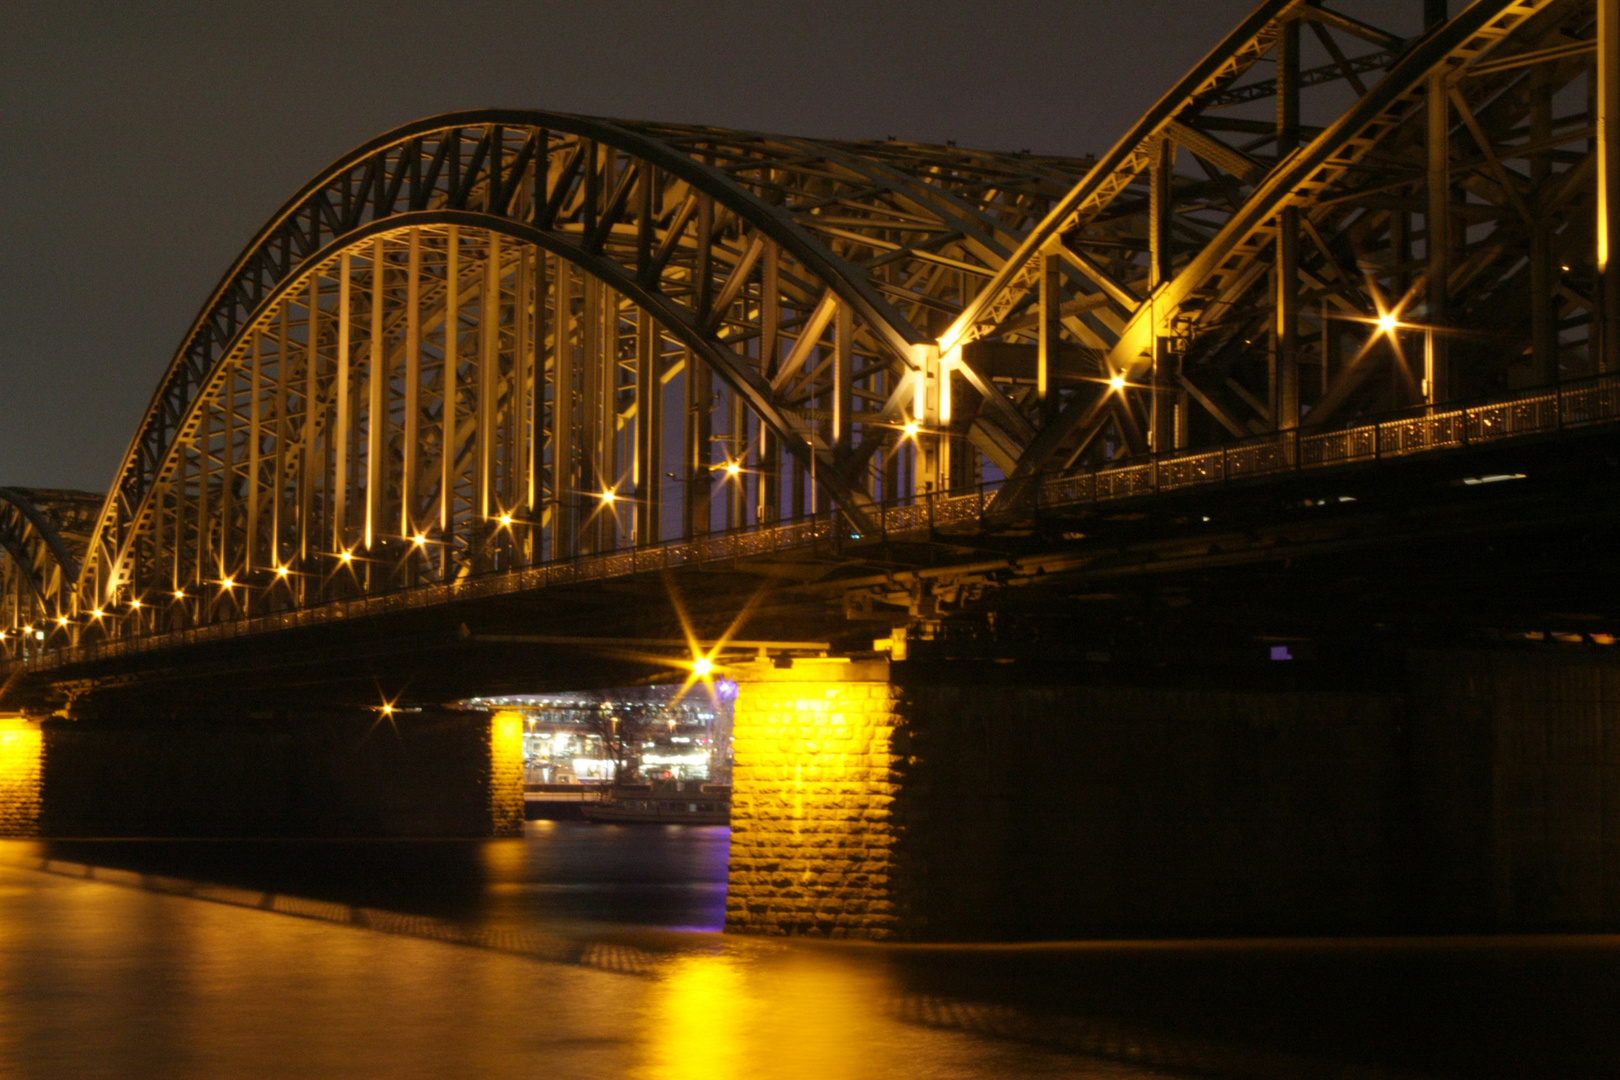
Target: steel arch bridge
x=43, y=536
x=489, y=343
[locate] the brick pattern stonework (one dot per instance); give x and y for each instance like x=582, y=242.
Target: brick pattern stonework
x=813, y=782
x=506, y=774
x=22, y=763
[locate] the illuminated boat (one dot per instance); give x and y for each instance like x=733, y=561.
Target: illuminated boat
x=664, y=802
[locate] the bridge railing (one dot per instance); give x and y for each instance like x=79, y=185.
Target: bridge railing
x=1577, y=404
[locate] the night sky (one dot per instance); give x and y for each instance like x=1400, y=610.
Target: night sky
x=144, y=144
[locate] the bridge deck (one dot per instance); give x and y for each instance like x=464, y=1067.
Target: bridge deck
x=986, y=508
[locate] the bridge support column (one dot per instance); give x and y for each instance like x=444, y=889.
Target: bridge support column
x=313, y=773
x=22, y=768
x=812, y=840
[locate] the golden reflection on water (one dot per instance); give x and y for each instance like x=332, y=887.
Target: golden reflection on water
x=801, y=1014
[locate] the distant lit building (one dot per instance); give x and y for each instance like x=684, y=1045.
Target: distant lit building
x=685, y=739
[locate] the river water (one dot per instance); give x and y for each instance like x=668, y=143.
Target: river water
x=593, y=951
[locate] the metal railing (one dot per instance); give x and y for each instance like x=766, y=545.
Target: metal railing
x=1578, y=404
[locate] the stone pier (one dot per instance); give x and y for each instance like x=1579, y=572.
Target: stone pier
x=337, y=773
x=812, y=840
x=1458, y=791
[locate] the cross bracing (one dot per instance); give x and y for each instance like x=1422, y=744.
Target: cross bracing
x=493, y=341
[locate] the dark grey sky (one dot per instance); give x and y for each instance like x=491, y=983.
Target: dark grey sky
x=143, y=144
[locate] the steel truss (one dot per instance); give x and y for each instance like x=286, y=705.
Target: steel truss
x=43, y=536
x=493, y=340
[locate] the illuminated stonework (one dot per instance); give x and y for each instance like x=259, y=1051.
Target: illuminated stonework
x=811, y=834
x=506, y=773
x=21, y=769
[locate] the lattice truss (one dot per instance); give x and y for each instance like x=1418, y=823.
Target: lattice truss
x=1322, y=221
x=493, y=339
x=43, y=537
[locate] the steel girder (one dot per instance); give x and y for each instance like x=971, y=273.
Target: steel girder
x=43, y=536
x=608, y=258
x=1256, y=254
x=1305, y=241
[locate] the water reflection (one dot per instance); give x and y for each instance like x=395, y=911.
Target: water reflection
x=557, y=874
x=132, y=979
x=804, y=1013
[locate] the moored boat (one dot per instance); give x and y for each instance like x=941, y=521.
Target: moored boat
x=664, y=802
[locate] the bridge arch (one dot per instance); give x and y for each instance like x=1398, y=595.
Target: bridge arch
x=1273, y=246
x=43, y=534
x=713, y=254
x=1233, y=259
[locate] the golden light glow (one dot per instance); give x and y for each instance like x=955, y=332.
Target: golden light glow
x=506, y=773
x=21, y=769
x=703, y=667
x=228, y=584
x=281, y=571
x=912, y=428
x=1386, y=322
x=505, y=520
x=61, y=620
x=608, y=496
x=1116, y=382
x=96, y=613
x=732, y=468
x=388, y=709
x=179, y=594
x=419, y=540
x=135, y=604
x=347, y=556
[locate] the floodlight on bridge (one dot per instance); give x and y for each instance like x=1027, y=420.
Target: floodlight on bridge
x=613, y=273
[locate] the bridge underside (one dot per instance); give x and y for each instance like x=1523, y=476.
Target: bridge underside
x=1337, y=567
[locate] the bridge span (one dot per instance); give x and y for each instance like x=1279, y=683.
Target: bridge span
x=1322, y=356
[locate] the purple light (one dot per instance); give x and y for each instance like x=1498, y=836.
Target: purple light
x=1280, y=652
